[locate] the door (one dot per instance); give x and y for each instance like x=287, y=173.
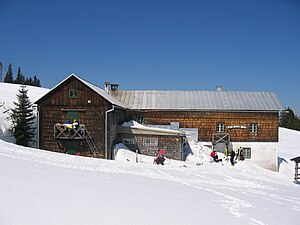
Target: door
x=72, y=147
x=72, y=115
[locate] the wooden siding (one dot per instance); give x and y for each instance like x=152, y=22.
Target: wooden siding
x=206, y=123
x=91, y=107
x=172, y=144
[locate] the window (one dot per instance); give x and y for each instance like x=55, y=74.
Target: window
x=138, y=118
x=253, y=128
x=71, y=115
x=73, y=93
x=220, y=127
x=150, y=141
x=247, y=153
x=129, y=141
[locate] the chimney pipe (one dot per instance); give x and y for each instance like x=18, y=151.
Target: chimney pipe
x=106, y=86
x=114, y=87
x=219, y=88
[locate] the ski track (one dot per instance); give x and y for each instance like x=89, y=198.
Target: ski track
x=231, y=203
x=198, y=179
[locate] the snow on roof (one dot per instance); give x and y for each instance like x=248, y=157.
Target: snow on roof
x=135, y=125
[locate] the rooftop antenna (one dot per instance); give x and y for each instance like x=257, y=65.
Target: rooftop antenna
x=1, y=71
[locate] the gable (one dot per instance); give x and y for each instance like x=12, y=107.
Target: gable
x=92, y=87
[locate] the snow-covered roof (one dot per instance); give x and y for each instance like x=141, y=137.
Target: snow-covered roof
x=132, y=125
x=199, y=100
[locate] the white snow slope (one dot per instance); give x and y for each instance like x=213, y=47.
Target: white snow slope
x=41, y=187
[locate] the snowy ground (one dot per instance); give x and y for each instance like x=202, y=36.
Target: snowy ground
x=41, y=187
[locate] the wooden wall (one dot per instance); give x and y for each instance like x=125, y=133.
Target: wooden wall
x=171, y=143
x=206, y=123
x=91, y=107
x=53, y=109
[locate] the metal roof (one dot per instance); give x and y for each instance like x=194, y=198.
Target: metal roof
x=199, y=100
x=187, y=100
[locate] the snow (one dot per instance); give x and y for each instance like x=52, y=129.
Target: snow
x=8, y=96
x=43, y=187
x=134, y=124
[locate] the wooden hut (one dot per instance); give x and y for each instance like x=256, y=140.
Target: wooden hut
x=96, y=111
x=297, y=174
x=249, y=119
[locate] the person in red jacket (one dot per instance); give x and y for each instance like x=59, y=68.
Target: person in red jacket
x=214, y=155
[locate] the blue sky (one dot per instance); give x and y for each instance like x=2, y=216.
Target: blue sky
x=245, y=45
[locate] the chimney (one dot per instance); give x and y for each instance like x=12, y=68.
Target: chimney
x=218, y=88
x=114, y=87
x=106, y=86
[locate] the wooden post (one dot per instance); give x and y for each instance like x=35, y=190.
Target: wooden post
x=296, y=172
x=297, y=175
x=136, y=156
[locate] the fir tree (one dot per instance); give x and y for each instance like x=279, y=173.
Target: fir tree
x=20, y=78
x=22, y=118
x=289, y=120
x=28, y=81
x=9, y=75
x=36, y=82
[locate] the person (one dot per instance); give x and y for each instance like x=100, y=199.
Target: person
x=215, y=157
x=160, y=157
x=75, y=124
x=68, y=124
x=232, y=154
x=242, y=155
x=239, y=154
x=160, y=160
x=226, y=153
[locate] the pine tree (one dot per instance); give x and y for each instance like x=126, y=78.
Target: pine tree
x=36, y=82
x=9, y=75
x=22, y=118
x=28, y=81
x=289, y=120
x=20, y=77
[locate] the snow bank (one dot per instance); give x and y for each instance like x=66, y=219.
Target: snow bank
x=43, y=187
x=7, y=98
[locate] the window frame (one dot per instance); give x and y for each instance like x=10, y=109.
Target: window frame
x=247, y=152
x=152, y=142
x=73, y=93
x=253, y=128
x=139, y=118
x=128, y=141
x=220, y=127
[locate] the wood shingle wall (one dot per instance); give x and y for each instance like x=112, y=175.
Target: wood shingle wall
x=91, y=108
x=206, y=121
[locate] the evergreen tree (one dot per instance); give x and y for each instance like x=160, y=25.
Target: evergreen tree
x=36, y=82
x=28, y=81
x=22, y=118
x=289, y=120
x=20, y=78
x=9, y=75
